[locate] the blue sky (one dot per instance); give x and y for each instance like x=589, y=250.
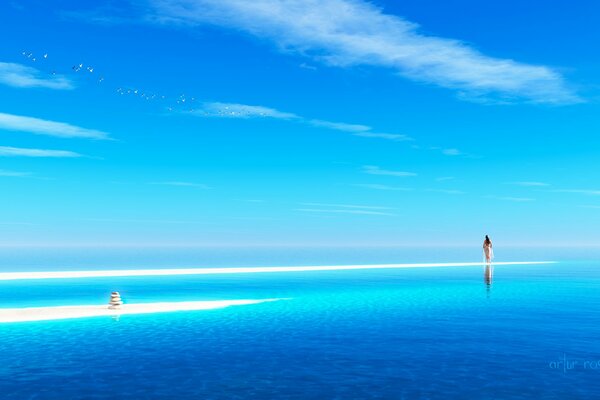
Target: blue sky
x=332, y=122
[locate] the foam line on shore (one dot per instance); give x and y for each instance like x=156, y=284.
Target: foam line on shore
x=8, y=276
x=29, y=314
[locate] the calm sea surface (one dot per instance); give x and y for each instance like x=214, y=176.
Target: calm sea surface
x=435, y=333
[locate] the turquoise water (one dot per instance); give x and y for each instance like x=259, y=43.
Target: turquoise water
x=434, y=333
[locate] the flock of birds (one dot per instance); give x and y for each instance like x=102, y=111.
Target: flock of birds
x=179, y=103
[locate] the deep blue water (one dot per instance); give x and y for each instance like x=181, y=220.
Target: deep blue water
x=434, y=333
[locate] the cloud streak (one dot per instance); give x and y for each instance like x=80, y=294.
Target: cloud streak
x=246, y=111
x=446, y=191
x=374, y=170
x=22, y=76
x=513, y=199
x=346, y=33
x=343, y=211
x=182, y=184
x=351, y=206
x=389, y=136
x=6, y=151
x=38, y=126
x=530, y=184
x=327, y=208
x=16, y=174
x=340, y=126
x=376, y=186
x=591, y=192
x=451, y=152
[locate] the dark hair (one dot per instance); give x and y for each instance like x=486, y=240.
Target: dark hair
x=487, y=239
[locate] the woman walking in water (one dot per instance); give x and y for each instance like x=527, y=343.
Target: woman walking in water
x=488, y=251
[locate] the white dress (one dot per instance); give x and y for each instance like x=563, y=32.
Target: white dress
x=488, y=252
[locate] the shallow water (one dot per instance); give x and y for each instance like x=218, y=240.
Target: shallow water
x=433, y=333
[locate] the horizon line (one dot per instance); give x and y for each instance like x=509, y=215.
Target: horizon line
x=291, y=244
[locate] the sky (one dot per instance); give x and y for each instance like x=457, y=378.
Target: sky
x=288, y=122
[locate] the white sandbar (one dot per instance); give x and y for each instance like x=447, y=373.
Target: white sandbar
x=68, y=312
x=8, y=276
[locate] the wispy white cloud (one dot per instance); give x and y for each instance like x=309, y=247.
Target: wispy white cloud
x=308, y=66
x=50, y=128
x=374, y=170
x=592, y=192
x=22, y=76
x=340, y=126
x=529, y=184
x=344, y=211
x=17, y=174
x=235, y=110
x=104, y=14
x=447, y=152
x=389, y=136
x=6, y=151
x=346, y=206
x=451, y=152
x=515, y=199
x=327, y=208
x=347, y=33
x=245, y=111
x=142, y=221
x=180, y=183
x=376, y=186
x=444, y=178
x=446, y=191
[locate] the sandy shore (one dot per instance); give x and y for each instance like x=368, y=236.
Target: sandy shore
x=6, y=276
x=68, y=312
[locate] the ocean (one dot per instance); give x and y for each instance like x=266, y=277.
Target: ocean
x=519, y=332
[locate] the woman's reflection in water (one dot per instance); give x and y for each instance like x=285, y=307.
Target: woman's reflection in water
x=488, y=276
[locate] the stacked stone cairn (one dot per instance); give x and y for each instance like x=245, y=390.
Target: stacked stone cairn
x=115, y=301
